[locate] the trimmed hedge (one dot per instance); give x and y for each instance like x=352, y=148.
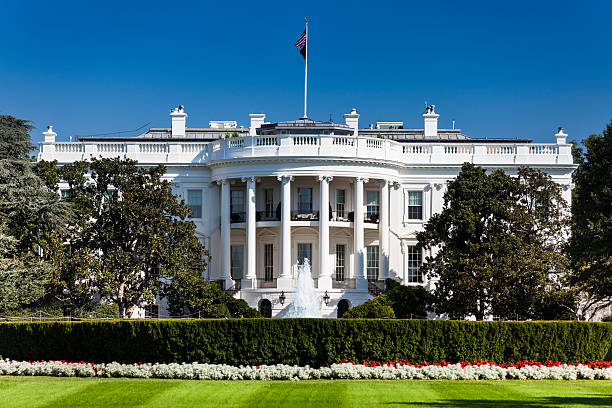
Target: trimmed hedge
x=314, y=342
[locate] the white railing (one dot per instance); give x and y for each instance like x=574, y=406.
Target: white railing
x=500, y=149
x=329, y=146
x=343, y=140
x=153, y=148
x=306, y=140
x=266, y=141
x=110, y=147
x=68, y=147
x=543, y=149
x=415, y=149
x=374, y=143
x=235, y=142
x=193, y=147
x=458, y=149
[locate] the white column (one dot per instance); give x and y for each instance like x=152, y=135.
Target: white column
x=251, y=272
x=284, y=281
x=383, y=229
x=325, y=279
x=225, y=232
x=360, y=271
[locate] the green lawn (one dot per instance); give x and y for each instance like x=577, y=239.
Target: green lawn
x=37, y=392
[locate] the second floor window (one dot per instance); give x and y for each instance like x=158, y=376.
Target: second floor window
x=372, y=204
x=305, y=200
x=237, y=201
x=340, y=251
x=269, y=198
x=194, y=201
x=415, y=205
x=340, y=202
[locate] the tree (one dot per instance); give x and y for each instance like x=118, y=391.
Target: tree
x=15, y=142
x=31, y=216
x=496, y=244
x=407, y=301
x=377, y=308
x=138, y=232
x=590, y=245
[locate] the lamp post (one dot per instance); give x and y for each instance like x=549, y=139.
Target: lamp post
x=326, y=298
x=281, y=298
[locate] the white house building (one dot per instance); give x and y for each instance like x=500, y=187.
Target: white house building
x=349, y=199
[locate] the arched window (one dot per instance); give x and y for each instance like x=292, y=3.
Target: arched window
x=343, y=307
x=265, y=308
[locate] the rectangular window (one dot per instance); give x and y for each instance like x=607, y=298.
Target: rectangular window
x=236, y=261
x=268, y=262
x=372, y=205
x=194, y=201
x=237, y=205
x=304, y=252
x=415, y=205
x=340, y=251
x=269, y=197
x=340, y=202
x=305, y=200
x=415, y=260
x=372, y=262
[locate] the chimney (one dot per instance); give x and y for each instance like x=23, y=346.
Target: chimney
x=352, y=121
x=179, y=120
x=257, y=119
x=431, y=121
x=561, y=137
x=49, y=135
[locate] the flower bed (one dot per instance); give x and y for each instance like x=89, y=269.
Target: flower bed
x=394, y=370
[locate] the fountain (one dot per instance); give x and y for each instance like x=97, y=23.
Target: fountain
x=306, y=302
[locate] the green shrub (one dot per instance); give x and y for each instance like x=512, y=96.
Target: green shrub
x=377, y=308
x=303, y=341
x=407, y=301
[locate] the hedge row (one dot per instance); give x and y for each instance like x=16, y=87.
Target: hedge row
x=314, y=342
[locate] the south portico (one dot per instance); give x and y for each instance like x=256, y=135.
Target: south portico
x=301, y=229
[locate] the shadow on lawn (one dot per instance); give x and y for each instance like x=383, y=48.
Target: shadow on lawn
x=594, y=401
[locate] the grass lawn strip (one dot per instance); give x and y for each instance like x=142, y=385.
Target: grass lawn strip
x=52, y=392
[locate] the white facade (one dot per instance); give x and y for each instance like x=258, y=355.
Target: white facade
x=257, y=195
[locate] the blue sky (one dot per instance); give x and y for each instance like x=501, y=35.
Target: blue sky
x=500, y=69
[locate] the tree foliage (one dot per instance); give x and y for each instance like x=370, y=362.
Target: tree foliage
x=377, y=308
x=408, y=302
x=496, y=244
x=590, y=246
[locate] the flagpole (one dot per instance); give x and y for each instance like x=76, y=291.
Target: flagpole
x=306, y=71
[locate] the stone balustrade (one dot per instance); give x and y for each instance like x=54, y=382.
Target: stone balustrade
x=328, y=146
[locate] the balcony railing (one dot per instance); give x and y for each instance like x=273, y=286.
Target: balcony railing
x=304, y=215
x=371, y=218
x=375, y=149
x=267, y=216
x=237, y=217
x=262, y=283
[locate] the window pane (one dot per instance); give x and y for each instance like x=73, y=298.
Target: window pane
x=305, y=200
x=304, y=252
x=415, y=260
x=340, y=262
x=236, y=261
x=340, y=196
x=268, y=262
x=415, y=198
x=194, y=201
x=372, y=262
x=372, y=197
x=237, y=201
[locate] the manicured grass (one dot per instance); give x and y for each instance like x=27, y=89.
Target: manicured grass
x=95, y=392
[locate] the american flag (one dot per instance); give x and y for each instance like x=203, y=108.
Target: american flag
x=301, y=44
